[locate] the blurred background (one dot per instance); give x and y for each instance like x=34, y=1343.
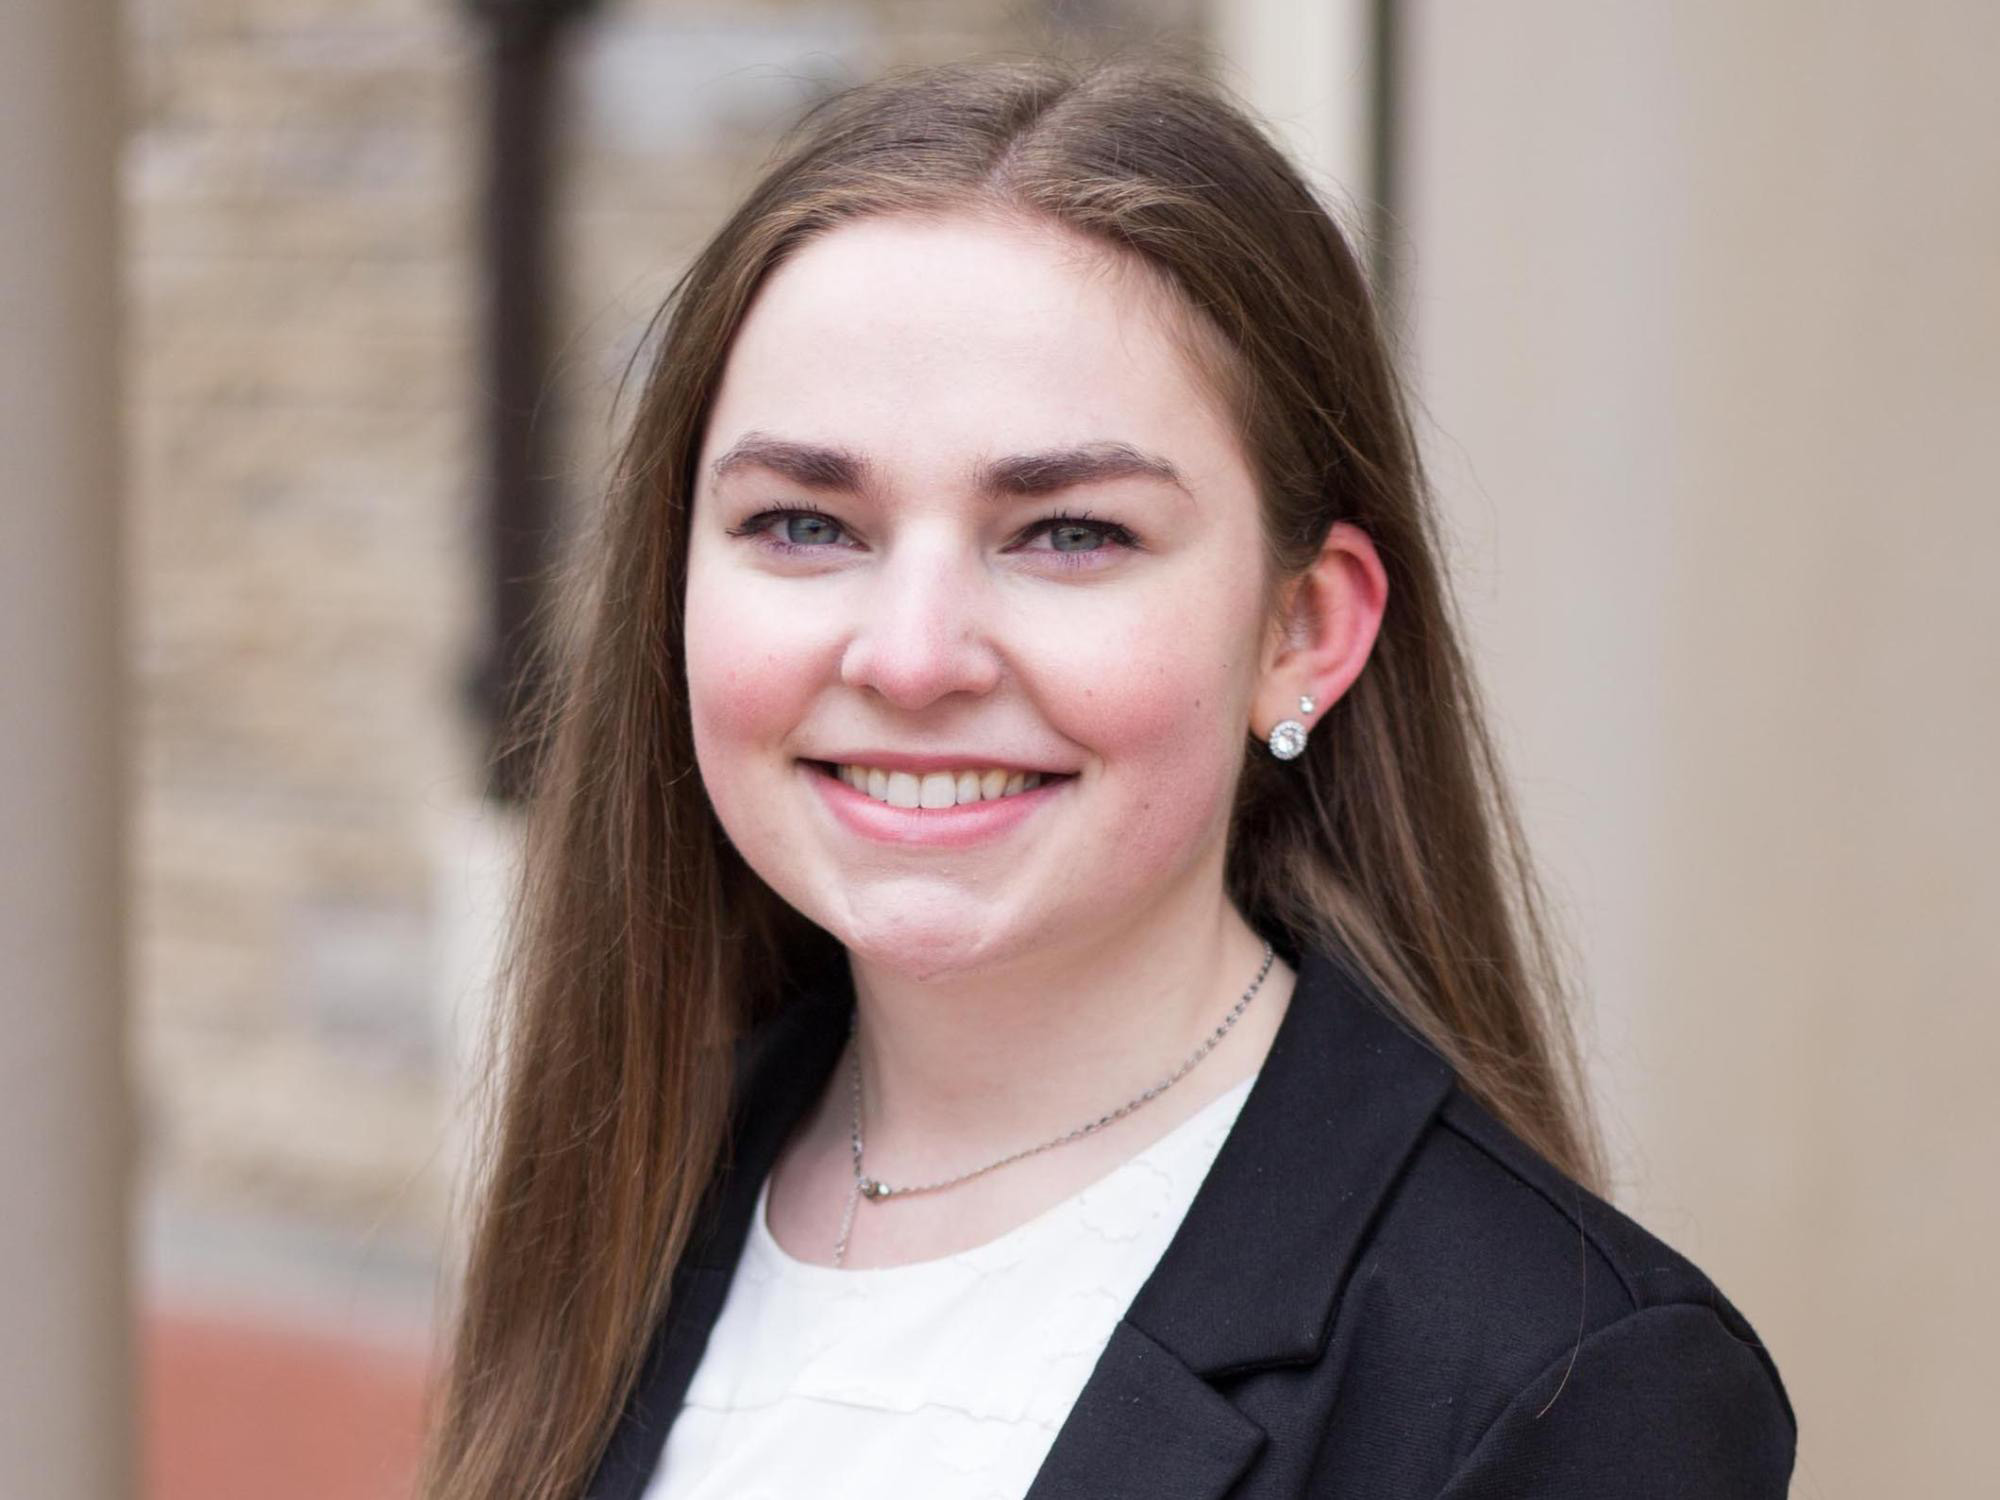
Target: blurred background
x=312, y=317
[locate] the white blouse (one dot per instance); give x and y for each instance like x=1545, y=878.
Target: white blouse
x=944, y=1378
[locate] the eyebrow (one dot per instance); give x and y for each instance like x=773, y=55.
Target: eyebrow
x=1018, y=475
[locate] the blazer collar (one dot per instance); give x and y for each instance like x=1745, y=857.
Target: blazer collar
x=1251, y=1278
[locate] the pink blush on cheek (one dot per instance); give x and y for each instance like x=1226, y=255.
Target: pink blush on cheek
x=1166, y=770
x=751, y=679
x=746, y=698
x=741, y=711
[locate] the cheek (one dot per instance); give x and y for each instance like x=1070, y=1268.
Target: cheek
x=748, y=676
x=1162, y=706
x=1161, y=684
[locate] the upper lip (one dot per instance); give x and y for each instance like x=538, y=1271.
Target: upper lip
x=951, y=760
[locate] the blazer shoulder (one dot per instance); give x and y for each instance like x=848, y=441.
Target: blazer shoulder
x=1505, y=1266
x=1650, y=1272
x=1666, y=1402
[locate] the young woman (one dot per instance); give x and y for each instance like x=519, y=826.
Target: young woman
x=1027, y=982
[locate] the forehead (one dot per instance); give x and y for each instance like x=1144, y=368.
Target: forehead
x=938, y=341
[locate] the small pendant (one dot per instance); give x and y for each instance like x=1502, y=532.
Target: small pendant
x=870, y=1188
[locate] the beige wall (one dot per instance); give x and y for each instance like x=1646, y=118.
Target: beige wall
x=65, y=1129
x=1707, y=305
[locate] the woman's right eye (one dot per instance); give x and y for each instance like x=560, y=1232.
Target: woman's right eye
x=800, y=530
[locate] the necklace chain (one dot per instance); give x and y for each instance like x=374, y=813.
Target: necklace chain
x=875, y=1190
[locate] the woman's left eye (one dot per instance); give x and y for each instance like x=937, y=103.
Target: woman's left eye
x=1074, y=538
x=1079, y=535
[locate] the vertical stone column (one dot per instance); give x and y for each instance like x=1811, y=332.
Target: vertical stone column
x=1310, y=71
x=65, y=1142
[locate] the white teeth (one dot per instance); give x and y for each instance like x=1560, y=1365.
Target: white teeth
x=937, y=789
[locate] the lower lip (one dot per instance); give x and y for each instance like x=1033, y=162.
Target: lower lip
x=957, y=827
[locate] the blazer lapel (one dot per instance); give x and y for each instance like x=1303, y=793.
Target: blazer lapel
x=1147, y=1427
x=1252, y=1278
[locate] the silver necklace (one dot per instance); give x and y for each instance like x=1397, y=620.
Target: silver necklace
x=875, y=1190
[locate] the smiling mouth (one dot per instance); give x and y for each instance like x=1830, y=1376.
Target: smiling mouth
x=938, y=790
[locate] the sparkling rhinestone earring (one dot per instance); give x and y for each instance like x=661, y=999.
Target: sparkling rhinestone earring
x=1288, y=736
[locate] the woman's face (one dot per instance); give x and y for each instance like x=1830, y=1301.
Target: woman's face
x=963, y=509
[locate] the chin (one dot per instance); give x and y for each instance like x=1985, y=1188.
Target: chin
x=916, y=948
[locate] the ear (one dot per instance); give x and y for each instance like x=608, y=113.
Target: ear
x=1327, y=622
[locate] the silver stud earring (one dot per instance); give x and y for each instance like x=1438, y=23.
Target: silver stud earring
x=1288, y=737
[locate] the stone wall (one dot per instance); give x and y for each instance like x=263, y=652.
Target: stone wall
x=298, y=185
x=302, y=186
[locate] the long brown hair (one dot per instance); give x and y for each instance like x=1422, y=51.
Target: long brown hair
x=642, y=945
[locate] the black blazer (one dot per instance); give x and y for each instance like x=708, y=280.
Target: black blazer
x=1378, y=1291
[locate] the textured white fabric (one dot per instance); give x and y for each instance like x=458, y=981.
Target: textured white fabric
x=946, y=1378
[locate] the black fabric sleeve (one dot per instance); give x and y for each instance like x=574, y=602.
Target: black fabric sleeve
x=1664, y=1404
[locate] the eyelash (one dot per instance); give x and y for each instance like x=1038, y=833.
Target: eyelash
x=1112, y=532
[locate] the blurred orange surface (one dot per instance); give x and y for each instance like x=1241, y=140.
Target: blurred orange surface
x=243, y=1410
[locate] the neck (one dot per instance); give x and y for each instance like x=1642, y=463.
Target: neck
x=962, y=1068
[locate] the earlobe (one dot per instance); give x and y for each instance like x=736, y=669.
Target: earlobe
x=1287, y=739
x=1332, y=614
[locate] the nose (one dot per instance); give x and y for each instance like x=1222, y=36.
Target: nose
x=922, y=628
